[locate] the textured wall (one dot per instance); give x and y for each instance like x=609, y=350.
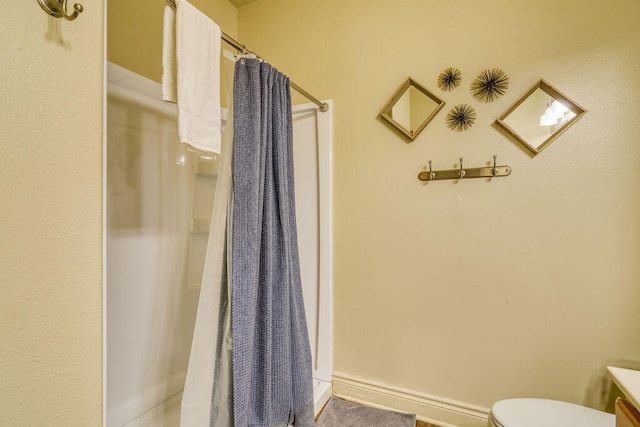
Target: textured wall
x=51, y=217
x=476, y=291
x=134, y=31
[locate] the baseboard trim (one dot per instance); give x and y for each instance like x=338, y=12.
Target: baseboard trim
x=432, y=409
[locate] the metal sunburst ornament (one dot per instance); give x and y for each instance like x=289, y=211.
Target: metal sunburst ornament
x=449, y=79
x=490, y=85
x=461, y=117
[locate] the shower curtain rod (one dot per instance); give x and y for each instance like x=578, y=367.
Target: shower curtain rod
x=229, y=40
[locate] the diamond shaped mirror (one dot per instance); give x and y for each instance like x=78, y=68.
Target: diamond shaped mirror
x=411, y=108
x=540, y=116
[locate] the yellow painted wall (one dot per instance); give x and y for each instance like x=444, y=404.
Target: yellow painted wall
x=51, y=217
x=134, y=31
x=476, y=291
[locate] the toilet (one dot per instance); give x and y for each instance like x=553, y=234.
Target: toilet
x=546, y=413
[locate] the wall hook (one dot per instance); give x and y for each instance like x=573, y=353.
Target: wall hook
x=58, y=9
x=427, y=176
x=481, y=172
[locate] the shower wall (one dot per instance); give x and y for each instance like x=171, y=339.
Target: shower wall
x=312, y=136
x=148, y=225
x=159, y=196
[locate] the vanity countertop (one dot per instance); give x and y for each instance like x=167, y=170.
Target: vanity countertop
x=628, y=380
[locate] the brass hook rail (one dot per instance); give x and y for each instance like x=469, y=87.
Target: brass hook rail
x=462, y=173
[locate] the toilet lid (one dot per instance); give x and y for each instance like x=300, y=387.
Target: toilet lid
x=548, y=413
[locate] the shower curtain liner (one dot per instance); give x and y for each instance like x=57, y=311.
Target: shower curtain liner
x=272, y=367
x=250, y=362
x=207, y=400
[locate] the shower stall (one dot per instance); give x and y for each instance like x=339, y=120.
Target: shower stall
x=158, y=203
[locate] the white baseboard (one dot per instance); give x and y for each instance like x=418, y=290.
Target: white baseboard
x=432, y=409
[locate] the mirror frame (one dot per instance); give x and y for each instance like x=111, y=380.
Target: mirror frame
x=554, y=93
x=384, y=113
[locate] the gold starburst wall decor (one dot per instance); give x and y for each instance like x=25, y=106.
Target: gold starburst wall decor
x=461, y=117
x=449, y=79
x=490, y=85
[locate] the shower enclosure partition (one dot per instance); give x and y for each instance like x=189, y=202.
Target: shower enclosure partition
x=159, y=198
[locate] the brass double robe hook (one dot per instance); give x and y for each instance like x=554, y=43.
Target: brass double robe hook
x=58, y=9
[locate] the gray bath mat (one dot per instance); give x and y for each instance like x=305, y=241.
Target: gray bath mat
x=340, y=413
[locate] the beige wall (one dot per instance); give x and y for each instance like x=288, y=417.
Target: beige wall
x=134, y=31
x=51, y=217
x=476, y=291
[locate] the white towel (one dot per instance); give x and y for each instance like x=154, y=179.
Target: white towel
x=169, y=92
x=191, y=74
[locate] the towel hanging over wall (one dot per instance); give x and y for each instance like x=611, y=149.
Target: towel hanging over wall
x=191, y=74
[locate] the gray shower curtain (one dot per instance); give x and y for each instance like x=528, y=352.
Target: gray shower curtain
x=271, y=356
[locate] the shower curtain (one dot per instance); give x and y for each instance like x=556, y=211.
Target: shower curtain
x=250, y=362
x=271, y=362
